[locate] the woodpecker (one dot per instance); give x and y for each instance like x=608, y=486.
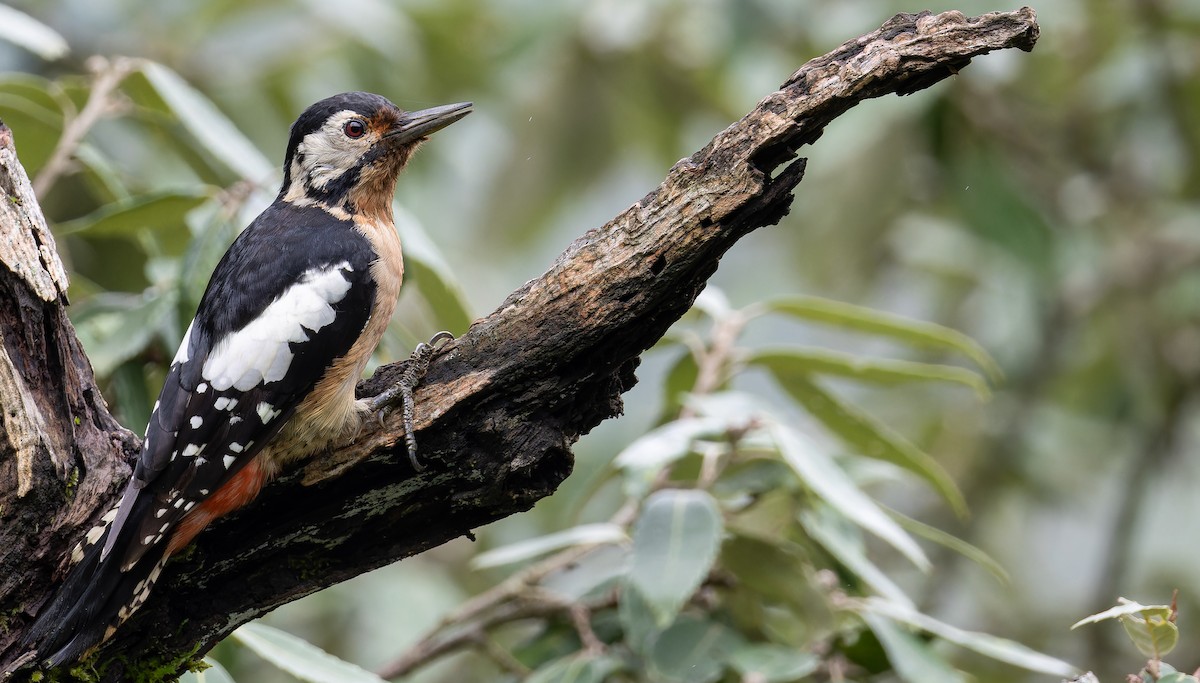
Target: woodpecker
x=266, y=371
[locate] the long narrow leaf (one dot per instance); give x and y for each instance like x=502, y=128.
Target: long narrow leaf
x=952, y=542
x=839, y=539
x=869, y=437
x=21, y=29
x=299, y=657
x=584, y=534
x=1000, y=649
x=912, y=659
x=821, y=474
x=433, y=275
x=210, y=127
x=871, y=321
x=158, y=211
x=874, y=370
x=642, y=459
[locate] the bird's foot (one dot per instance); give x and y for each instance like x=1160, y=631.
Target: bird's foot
x=414, y=372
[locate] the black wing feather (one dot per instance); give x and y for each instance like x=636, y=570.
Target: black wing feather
x=278, y=248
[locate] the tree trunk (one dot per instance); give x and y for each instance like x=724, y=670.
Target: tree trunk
x=496, y=415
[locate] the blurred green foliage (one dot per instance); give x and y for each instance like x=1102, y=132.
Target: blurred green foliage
x=1044, y=204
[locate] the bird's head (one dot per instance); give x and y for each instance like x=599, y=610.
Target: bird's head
x=346, y=151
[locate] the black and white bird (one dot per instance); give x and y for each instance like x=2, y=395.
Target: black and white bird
x=266, y=371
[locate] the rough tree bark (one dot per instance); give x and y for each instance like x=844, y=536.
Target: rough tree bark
x=497, y=414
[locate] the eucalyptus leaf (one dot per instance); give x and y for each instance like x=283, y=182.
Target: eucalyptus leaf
x=577, y=668
x=433, y=275
x=692, y=651
x=680, y=379
x=161, y=212
x=675, y=540
x=875, y=370
x=21, y=29
x=834, y=534
x=822, y=475
x=867, y=435
x=1178, y=677
x=771, y=663
x=958, y=545
x=36, y=125
x=208, y=125
x=658, y=448
x=999, y=649
x=598, y=570
x=871, y=321
x=116, y=327
x=912, y=659
x=713, y=302
x=584, y=534
x=300, y=658
x=1153, y=634
x=1124, y=608
x=637, y=619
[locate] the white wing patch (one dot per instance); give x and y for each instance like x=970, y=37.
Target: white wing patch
x=260, y=352
x=181, y=356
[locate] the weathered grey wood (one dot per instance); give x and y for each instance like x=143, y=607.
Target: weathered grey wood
x=498, y=412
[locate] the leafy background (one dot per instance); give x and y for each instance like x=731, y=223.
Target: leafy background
x=814, y=488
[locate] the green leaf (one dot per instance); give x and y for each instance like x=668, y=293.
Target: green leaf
x=840, y=540
x=215, y=673
x=598, y=570
x=299, y=657
x=692, y=651
x=713, y=302
x=1154, y=634
x=637, y=619
x=871, y=321
x=28, y=107
x=213, y=232
x=208, y=125
x=869, y=437
x=675, y=541
x=433, y=275
x=875, y=370
x=1149, y=626
x=774, y=571
x=116, y=327
x=1124, y=608
x=771, y=663
x=577, y=668
x=822, y=475
x=584, y=534
x=1177, y=677
x=999, y=649
x=160, y=212
x=680, y=379
x=952, y=542
x=648, y=454
x=912, y=659
x=21, y=29
x=103, y=178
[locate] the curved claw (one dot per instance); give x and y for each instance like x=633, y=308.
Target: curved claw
x=418, y=364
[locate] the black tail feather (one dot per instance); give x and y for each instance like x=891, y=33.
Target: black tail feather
x=96, y=596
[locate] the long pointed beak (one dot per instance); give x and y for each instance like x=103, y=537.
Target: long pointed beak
x=418, y=124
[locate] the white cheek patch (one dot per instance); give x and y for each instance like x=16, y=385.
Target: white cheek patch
x=327, y=152
x=260, y=352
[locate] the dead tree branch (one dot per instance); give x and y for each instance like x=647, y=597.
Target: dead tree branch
x=498, y=413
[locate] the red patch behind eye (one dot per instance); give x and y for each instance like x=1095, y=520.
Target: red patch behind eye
x=354, y=128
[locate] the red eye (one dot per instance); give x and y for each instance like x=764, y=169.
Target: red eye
x=354, y=128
